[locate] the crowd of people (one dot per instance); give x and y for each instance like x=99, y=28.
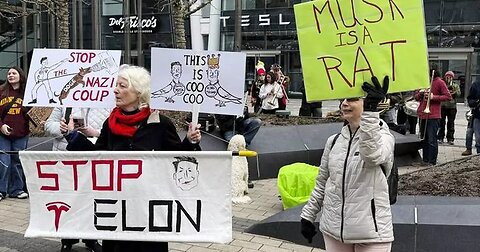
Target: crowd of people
x=132, y=125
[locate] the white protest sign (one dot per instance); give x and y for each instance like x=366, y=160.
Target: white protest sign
x=215, y=80
x=72, y=78
x=144, y=196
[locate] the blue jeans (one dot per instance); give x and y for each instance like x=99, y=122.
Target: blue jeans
x=476, y=129
x=11, y=171
x=429, y=142
x=469, y=135
x=250, y=128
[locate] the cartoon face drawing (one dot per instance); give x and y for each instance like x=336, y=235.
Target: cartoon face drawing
x=176, y=70
x=212, y=75
x=186, y=172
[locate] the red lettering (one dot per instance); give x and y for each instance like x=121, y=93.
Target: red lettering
x=366, y=34
x=104, y=94
x=92, y=82
x=96, y=187
x=393, y=4
x=81, y=57
x=121, y=175
x=380, y=12
x=355, y=70
x=75, y=164
x=316, y=10
x=53, y=176
x=90, y=95
x=392, y=53
x=355, y=20
x=327, y=69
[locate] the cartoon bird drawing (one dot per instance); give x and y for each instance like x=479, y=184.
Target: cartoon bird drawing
x=214, y=89
x=175, y=87
x=217, y=92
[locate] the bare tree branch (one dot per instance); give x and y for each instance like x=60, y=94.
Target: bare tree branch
x=197, y=8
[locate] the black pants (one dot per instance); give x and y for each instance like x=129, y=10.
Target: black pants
x=137, y=246
x=402, y=118
x=75, y=241
x=448, y=116
x=428, y=132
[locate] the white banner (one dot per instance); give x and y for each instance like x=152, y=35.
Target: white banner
x=145, y=196
x=215, y=80
x=72, y=78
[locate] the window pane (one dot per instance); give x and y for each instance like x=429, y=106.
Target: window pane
x=252, y=4
x=228, y=5
x=277, y=3
x=432, y=11
x=461, y=11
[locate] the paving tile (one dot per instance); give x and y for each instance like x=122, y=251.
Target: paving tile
x=246, y=244
x=226, y=247
x=267, y=241
x=268, y=248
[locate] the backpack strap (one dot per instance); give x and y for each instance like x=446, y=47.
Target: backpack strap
x=334, y=140
x=383, y=170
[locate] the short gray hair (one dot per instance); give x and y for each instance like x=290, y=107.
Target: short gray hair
x=139, y=79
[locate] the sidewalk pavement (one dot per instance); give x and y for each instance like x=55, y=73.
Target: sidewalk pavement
x=14, y=213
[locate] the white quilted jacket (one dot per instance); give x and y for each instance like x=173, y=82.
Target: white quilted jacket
x=93, y=117
x=351, y=190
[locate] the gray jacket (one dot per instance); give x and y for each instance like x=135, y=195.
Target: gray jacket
x=351, y=190
x=93, y=117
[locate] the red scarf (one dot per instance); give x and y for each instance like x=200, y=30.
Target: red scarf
x=126, y=125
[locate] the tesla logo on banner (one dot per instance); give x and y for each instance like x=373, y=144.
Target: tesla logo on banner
x=57, y=207
x=263, y=20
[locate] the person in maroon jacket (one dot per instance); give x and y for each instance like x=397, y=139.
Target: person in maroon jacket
x=430, y=121
x=13, y=134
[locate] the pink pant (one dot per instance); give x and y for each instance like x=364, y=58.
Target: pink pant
x=333, y=245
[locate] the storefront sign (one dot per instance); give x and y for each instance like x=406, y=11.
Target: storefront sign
x=343, y=43
x=149, y=24
x=261, y=19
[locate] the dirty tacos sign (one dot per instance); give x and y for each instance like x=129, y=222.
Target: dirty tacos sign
x=149, y=24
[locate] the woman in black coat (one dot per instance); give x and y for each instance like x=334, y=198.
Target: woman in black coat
x=133, y=127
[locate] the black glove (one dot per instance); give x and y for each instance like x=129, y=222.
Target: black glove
x=308, y=230
x=375, y=93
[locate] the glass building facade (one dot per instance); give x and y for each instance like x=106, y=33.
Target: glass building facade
x=268, y=33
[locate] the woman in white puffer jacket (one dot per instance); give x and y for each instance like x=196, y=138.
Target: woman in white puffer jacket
x=351, y=190
x=94, y=119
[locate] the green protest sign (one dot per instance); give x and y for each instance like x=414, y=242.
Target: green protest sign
x=344, y=42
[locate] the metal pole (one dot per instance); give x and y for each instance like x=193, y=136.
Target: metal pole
x=24, y=41
x=237, y=44
x=53, y=41
x=74, y=24
x=80, y=22
x=126, y=34
x=37, y=27
x=214, y=26
x=195, y=27
x=96, y=24
x=140, y=59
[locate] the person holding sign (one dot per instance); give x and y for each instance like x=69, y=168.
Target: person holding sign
x=14, y=134
x=132, y=126
x=351, y=189
x=269, y=93
x=56, y=126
